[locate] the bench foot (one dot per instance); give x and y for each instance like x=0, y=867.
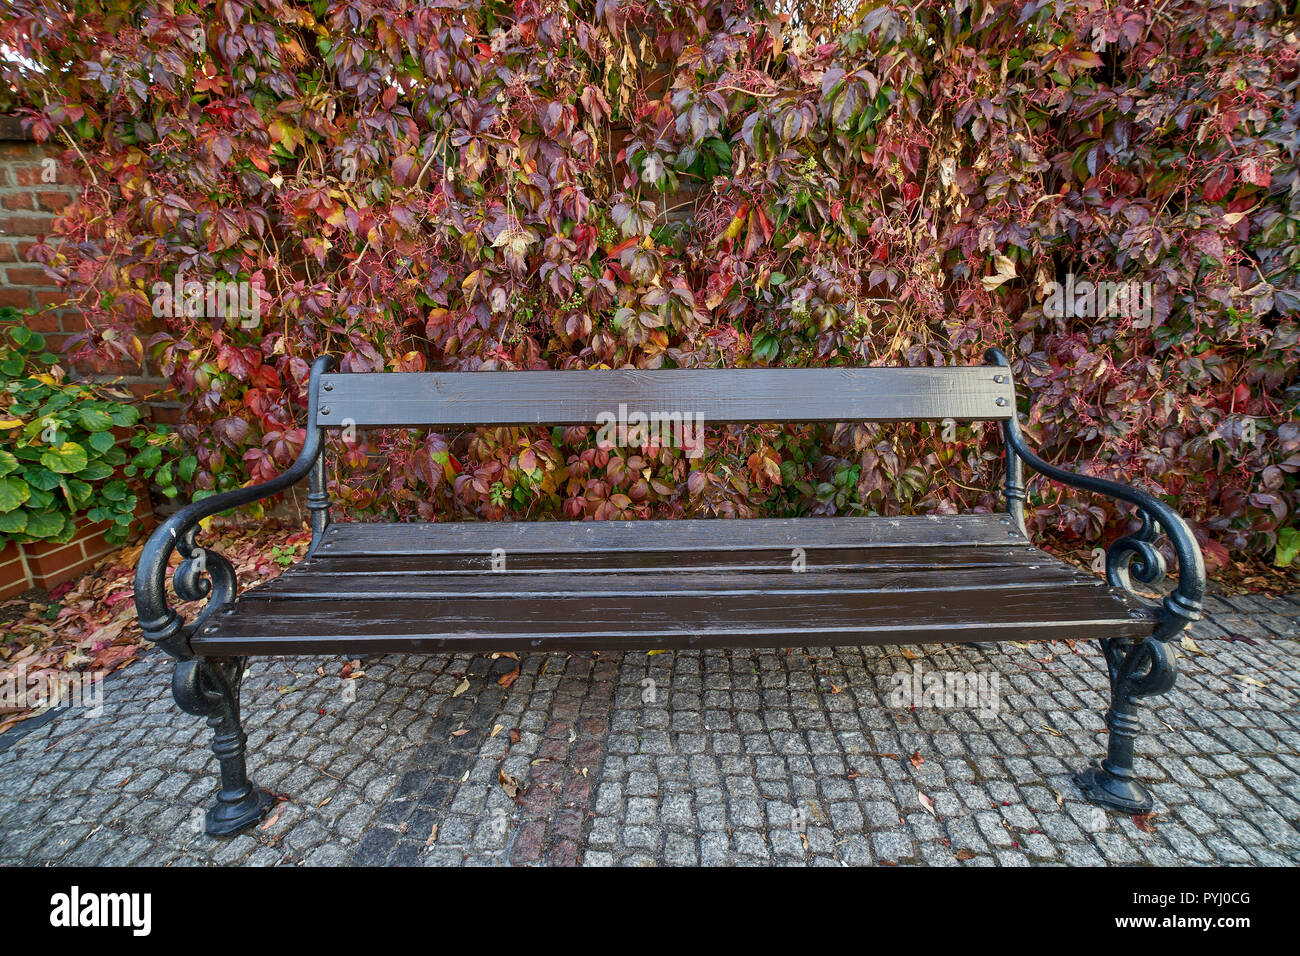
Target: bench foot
x=1108, y=789
x=210, y=688
x=1136, y=670
x=229, y=817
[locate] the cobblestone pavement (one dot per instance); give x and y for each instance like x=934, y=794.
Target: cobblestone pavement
x=740, y=757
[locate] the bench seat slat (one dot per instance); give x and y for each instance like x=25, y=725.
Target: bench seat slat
x=377, y=588
x=938, y=532
x=758, y=560
x=407, y=399
x=611, y=585
x=324, y=625
x=326, y=584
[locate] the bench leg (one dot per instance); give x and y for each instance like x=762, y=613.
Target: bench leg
x=210, y=688
x=1136, y=670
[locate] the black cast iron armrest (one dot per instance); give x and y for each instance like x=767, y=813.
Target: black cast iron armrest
x=1132, y=556
x=205, y=573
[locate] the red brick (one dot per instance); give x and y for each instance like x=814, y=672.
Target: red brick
x=7, y=252
x=54, y=201
x=49, y=560
x=41, y=550
x=30, y=176
x=18, y=298
x=118, y=368
x=48, y=297
x=71, y=320
x=20, y=200
x=14, y=587
x=90, y=530
x=147, y=390
x=30, y=170
x=165, y=414
x=97, y=547
x=33, y=225
x=27, y=275
x=91, y=539
x=43, y=322
x=20, y=149
x=57, y=576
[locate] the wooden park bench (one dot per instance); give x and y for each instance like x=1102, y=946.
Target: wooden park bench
x=637, y=585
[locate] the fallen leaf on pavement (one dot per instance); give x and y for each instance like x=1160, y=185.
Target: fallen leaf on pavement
x=1143, y=822
x=509, y=784
x=274, y=818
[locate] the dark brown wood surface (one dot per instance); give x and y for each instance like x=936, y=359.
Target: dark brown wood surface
x=599, y=585
x=681, y=535
x=719, y=395
x=774, y=560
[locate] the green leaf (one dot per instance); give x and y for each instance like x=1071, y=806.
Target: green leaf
x=65, y=459
x=95, y=419
x=13, y=493
x=1288, y=547
x=40, y=500
x=77, y=491
x=41, y=478
x=189, y=464
x=13, y=522
x=766, y=346
x=125, y=416
x=45, y=524
x=7, y=462
x=115, y=490
x=101, y=441
x=149, y=458
x=96, y=471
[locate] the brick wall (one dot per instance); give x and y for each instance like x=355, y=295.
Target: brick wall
x=34, y=187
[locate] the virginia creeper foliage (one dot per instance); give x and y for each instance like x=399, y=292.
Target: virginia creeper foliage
x=627, y=183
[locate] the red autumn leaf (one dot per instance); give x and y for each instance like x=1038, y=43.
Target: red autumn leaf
x=1218, y=183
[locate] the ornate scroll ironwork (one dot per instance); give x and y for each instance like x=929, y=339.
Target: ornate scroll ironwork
x=1144, y=669
x=210, y=687
x=1138, y=669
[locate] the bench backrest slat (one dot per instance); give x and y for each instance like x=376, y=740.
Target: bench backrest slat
x=718, y=395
